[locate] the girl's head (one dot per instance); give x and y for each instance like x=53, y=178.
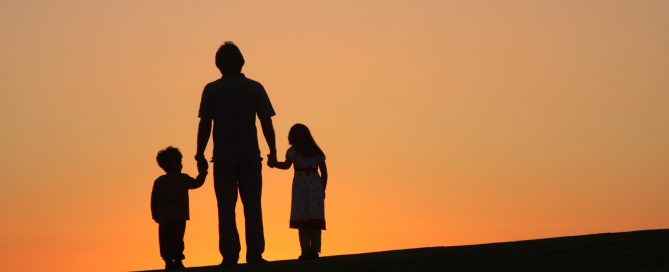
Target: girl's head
x=300, y=138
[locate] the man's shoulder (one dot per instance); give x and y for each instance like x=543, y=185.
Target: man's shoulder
x=221, y=82
x=254, y=84
x=212, y=84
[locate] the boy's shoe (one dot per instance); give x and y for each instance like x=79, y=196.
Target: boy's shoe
x=303, y=257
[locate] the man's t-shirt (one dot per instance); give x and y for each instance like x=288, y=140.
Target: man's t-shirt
x=233, y=101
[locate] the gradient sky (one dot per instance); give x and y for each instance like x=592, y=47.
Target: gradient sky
x=444, y=122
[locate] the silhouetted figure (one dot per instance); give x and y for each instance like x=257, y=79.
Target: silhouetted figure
x=169, y=205
x=232, y=103
x=307, y=212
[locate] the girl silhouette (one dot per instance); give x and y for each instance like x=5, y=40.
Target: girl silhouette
x=307, y=213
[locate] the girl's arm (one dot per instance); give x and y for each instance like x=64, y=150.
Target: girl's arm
x=285, y=165
x=324, y=173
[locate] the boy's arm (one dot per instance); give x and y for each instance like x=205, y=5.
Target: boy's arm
x=197, y=182
x=324, y=174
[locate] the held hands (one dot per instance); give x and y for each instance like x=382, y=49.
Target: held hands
x=202, y=164
x=271, y=160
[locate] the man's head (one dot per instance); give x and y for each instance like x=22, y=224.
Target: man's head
x=169, y=159
x=229, y=59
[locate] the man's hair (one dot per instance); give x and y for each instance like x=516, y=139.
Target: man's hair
x=168, y=158
x=229, y=58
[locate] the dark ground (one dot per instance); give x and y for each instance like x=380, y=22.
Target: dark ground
x=628, y=251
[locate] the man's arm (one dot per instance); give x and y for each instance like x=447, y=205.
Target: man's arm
x=203, y=134
x=268, y=132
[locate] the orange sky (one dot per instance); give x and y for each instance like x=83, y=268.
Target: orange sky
x=444, y=122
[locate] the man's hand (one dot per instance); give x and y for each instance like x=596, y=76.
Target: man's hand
x=202, y=164
x=199, y=157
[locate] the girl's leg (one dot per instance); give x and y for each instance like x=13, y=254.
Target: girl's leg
x=315, y=237
x=304, y=241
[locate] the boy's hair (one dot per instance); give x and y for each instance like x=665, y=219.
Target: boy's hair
x=229, y=58
x=169, y=158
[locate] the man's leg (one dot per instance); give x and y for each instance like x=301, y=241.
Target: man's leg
x=225, y=185
x=250, y=189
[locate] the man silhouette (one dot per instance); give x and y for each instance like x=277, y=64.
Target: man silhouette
x=232, y=103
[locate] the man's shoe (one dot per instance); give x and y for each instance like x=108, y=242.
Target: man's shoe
x=228, y=263
x=257, y=261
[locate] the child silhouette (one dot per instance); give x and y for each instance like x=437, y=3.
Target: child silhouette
x=169, y=205
x=307, y=213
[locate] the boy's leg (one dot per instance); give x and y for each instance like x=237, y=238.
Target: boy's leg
x=163, y=241
x=171, y=240
x=179, y=231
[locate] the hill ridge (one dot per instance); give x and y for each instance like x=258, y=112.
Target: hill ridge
x=641, y=250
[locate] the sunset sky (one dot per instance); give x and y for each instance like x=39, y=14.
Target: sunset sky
x=444, y=122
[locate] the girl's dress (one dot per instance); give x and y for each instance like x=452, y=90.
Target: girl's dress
x=307, y=209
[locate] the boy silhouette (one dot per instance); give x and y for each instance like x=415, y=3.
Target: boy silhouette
x=169, y=205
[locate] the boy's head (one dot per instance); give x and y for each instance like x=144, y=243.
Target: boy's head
x=169, y=159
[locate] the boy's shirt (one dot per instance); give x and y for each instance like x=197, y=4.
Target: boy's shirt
x=169, y=198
